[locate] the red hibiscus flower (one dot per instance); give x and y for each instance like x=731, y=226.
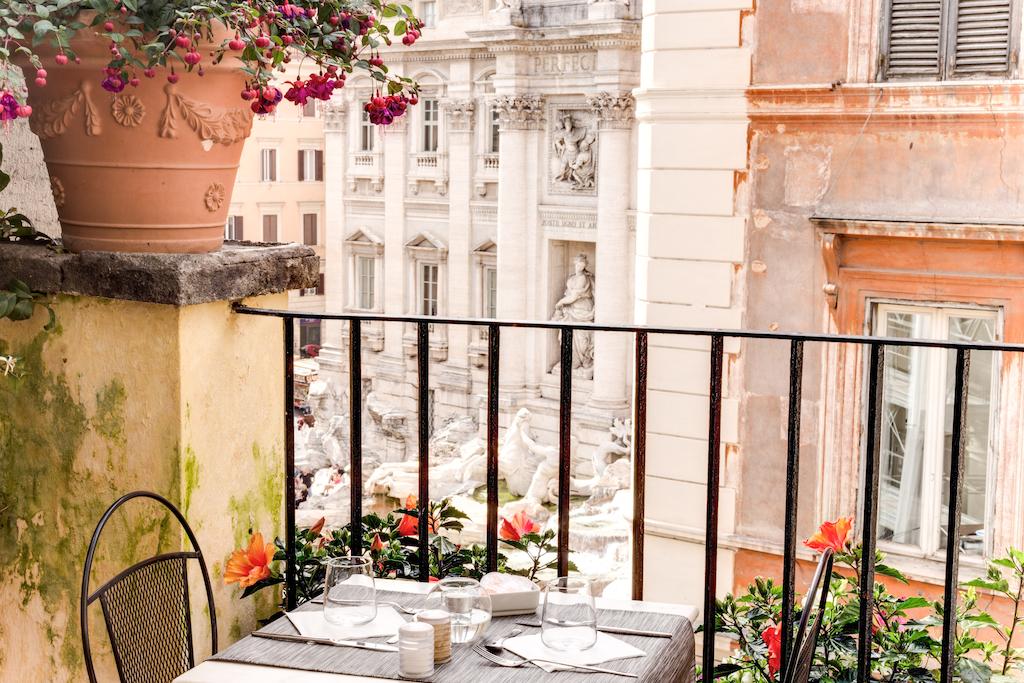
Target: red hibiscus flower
x=772, y=637
x=377, y=545
x=831, y=535
x=515, y=528
x=410, y=524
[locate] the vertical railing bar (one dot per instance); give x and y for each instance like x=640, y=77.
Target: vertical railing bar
x=289, y=464
x=711, y=538
x=956, y=479
x=422, y=416
x=355, y=441
x=493, y=365
x=639, y=461
x=796, y=369
x=869, y=512
x=564, y=460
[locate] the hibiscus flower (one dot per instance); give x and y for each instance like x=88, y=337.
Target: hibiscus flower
x=252, y=565
x=772, y=637
x=517, y=527
x=831, y=535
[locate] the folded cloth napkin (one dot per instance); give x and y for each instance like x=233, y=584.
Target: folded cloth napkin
x=606, y=649
x=311, y=623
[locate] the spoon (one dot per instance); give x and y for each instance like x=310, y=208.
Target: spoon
x=498, y=646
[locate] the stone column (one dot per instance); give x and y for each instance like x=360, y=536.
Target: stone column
x=394, y=163
x=459, y=115
x=332, y=361
x=612, y=271
x=149, y=381
x=519, y=116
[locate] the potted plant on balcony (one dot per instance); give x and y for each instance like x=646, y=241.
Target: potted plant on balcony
x=142, y=106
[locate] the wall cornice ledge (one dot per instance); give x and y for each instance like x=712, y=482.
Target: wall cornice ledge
x=238, y=270
x=928, y=228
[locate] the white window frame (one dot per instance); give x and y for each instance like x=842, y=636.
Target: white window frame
x=430, y=125
x=429, y=19
x=366, y=282
x=229, y=226
x=269, y=164
x=364, y=244
x=426, y=249
x=423, y=294
x=309, y=165
x=930, y=514
x=366, y=133
x=493, y=140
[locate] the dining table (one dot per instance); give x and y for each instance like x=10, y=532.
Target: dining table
x=261, y=660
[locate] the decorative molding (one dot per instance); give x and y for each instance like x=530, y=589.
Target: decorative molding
x=53, y=118
x=612, y=111
x=830, y=256
x=214, y=197
x=484, y=213
x=459, y=114
x=224, y=127
x=127, y=110
x=335, y=115
x=520, y=112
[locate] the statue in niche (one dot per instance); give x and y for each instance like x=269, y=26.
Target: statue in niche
x=573, y=147
x=577, y=306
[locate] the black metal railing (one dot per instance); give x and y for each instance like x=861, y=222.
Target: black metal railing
x=876, y=347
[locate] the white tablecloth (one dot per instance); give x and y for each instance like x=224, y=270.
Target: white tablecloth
x=228, y=672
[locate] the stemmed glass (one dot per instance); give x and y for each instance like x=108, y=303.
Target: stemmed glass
x=350, y=598
x=569, y=616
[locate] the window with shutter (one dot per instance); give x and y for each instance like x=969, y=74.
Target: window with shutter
x=945, y=39
x=309, y=228
x=270, y=228
x=319, y=160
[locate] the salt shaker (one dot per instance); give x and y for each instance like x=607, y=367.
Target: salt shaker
x=442, y=623
x=416, y=651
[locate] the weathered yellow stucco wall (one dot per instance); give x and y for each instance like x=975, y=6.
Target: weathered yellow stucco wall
x=184, y=401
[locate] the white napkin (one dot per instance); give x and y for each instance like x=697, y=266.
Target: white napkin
x=311, y=623
x=606, y=649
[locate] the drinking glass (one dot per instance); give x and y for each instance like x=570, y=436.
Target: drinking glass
x=350, y=598
x=467, y=602
x=569, y=616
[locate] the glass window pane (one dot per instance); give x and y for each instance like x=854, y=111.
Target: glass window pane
x=976, y=447
x=904, y=412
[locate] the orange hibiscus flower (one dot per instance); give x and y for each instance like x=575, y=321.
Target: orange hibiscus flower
x=252, y=565
x=517, y=527
x=831, y=535
x=377, y=545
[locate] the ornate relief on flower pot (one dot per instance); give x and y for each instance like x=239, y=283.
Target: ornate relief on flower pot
x=520, y=112
x=59, y=195
x=459, y=114
x=53, y=119
x=214, y=197
x=612, y=111
x=225, y=127
x=573, y=151
x=127, y=110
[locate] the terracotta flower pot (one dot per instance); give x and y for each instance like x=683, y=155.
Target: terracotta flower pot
x=148, y=169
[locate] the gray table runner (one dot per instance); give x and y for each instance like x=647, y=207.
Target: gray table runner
x=667, y=660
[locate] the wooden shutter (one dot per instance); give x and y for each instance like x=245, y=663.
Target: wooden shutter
x=309, y=228
x=913, y=38
x=983, y=37
x=302, y=165
x=270, y=228
x=319, y=165
x=239, y=231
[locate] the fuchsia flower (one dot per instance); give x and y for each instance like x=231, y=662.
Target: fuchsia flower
x=8, y=107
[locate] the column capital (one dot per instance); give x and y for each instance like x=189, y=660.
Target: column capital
x=334, y=115
x=613, y=110
x=460, y=114
x=520, y=112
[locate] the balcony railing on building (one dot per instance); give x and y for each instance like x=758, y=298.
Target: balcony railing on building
x=875, y=350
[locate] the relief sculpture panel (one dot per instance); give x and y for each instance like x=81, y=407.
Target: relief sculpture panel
x=573, y=151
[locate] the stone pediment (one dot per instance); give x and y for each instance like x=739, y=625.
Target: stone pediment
x=486, y=247
x=426, y=242
x=365, y=237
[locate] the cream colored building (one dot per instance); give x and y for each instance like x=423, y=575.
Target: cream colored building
x=279, y=194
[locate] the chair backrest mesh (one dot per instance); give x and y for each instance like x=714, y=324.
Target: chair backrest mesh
x=805, y=655
x=146, y=610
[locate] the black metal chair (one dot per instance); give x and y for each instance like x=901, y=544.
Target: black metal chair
x=798, y=668
x=146, y=608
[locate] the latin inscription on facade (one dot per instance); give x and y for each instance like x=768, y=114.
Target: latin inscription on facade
x=557, y=64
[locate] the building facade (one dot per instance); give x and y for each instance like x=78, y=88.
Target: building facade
x=507, y=192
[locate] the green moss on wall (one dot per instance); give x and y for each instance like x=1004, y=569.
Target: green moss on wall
x=265, y=502
x=190, y=466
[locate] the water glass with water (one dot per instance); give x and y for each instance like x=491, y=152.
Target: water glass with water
x=469, y=606
x=350, y=598
x=569, y=615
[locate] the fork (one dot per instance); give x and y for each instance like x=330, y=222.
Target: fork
x=319, y=600
x=502, y=661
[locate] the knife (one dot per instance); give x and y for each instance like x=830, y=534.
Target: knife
x=622, y=631
x=287, y=637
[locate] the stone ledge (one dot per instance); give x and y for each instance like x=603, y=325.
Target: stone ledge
x=238, y=270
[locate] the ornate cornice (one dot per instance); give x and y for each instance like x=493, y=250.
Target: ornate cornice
x=459, y=114
x=520, y=112
x=334, y=115
x=613, y=111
